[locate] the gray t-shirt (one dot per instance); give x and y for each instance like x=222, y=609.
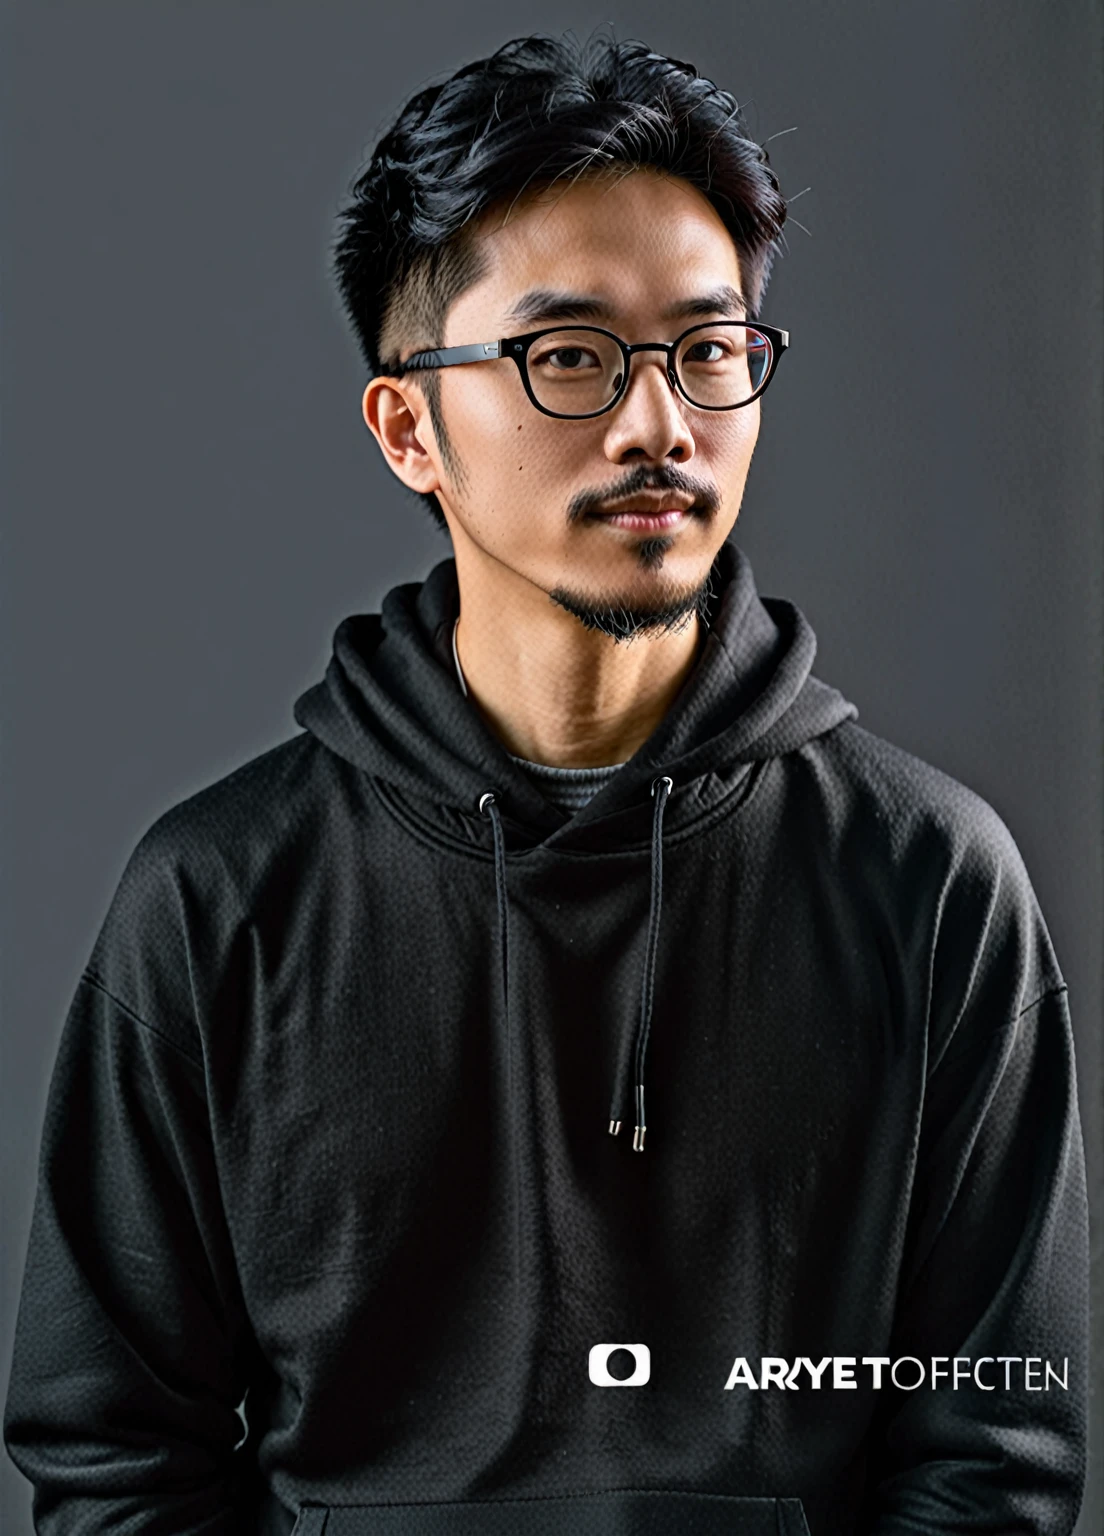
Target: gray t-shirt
x=569, y=788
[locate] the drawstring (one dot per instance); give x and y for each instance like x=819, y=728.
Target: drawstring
x=489, y=807
x=661, y=789
x=488, y=800
x=664, y=785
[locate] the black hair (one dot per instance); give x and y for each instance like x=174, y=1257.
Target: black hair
x=537, y=111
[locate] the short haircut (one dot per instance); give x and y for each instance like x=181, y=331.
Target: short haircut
x=538, y=111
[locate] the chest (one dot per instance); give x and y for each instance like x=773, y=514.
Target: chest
x=378, y=1087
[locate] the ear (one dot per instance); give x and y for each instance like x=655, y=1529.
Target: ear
x=397, y=416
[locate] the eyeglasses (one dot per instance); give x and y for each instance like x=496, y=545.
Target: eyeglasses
x=582, y=370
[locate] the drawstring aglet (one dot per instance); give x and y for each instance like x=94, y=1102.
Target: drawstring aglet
x=638, y=1133
x=615, y=1127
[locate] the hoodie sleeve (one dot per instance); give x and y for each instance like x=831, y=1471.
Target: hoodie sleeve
x=132, y=1344
x=995, y=1272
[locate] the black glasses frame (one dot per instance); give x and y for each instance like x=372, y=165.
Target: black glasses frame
x=518, y=347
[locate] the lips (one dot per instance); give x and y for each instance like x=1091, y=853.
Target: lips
x=647, y=497
x=666, y=517
x=649, y=516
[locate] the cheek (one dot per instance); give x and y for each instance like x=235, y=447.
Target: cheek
x=727, y=441
x=513, y=456
x=491, y=425
x=738, y=430
x=549, y=456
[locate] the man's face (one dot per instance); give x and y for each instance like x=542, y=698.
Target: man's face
x=645, y=256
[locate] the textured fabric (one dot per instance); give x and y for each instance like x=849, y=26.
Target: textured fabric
x=619, y=1514
x=310, y=1141
x=569, y=789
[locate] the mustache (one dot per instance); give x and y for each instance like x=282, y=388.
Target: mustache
x=662, y=477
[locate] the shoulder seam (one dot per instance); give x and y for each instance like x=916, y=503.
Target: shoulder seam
x=94, y=981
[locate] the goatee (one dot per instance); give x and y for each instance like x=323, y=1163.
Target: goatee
x=622, y=619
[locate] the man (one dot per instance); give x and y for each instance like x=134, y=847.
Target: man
x=584, y=1000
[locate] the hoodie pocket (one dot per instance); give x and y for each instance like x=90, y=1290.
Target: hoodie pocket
x=637, y=1512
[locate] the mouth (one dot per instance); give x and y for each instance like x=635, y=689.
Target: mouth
x=645, y=518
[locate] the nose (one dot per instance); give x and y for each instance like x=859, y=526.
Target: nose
x=649, y=422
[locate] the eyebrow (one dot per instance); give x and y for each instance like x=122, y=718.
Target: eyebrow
x=546, y=304
x=721, y=301
x=542, y=304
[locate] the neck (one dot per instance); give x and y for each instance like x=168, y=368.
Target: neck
x=556, y=692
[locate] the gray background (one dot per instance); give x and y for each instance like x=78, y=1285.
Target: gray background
x=191, y=500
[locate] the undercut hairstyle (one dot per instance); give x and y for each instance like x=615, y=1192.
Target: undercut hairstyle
x=540, y=110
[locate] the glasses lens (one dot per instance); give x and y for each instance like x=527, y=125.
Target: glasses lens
x=723, y=365
x=575, y=372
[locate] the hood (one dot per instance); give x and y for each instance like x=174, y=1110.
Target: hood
x=391, y=704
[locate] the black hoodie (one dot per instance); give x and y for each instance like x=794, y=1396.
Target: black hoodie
x=329, y=1129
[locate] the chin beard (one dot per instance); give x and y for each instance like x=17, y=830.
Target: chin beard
x=622, y=619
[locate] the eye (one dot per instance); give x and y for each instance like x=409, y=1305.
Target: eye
x=569, y=359
x=711, y=351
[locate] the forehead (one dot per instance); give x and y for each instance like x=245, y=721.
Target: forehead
x=636, y=239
